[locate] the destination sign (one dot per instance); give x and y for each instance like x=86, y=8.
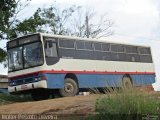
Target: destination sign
x=23, y=40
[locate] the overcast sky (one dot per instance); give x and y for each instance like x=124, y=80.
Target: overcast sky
x=136, y=21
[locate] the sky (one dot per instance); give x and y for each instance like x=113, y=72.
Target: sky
x=135, y=21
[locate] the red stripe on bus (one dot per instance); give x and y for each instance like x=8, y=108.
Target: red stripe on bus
x=94, y=72
x=83, y=72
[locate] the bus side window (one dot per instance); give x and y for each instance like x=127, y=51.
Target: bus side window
x=50, y=49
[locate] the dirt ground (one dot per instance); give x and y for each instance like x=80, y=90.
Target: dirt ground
x=66, y=105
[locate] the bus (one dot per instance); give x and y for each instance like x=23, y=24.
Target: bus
x=43, y=64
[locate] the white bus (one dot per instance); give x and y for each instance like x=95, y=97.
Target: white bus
x=41, y=64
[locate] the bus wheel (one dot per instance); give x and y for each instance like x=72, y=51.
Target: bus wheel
x=70, y=88
x=40, y=95
x=126, y=83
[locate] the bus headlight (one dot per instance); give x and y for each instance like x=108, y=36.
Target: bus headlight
x=37, y=79
x=12, y=83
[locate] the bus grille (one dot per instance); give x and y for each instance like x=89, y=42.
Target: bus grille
x=22, y=81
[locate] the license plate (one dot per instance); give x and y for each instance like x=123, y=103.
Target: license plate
x=23, y=87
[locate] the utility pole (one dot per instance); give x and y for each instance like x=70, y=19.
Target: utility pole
x=87, y=26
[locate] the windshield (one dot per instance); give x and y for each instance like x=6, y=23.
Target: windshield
x=32, y=54
x=26, y=56
x=15, y=59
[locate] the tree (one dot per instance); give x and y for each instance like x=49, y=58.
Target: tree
x=70, y=21
x=31, y=25
x=87, y=24
x=52, y=20
x=3, y=55
x=9, y=10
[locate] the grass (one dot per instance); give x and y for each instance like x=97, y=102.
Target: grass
x=7, y=98
x=127, y=105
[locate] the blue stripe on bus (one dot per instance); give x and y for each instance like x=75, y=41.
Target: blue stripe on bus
x=96, y=80
x=139, y=80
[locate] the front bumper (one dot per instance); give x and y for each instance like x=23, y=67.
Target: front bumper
x=29, y=86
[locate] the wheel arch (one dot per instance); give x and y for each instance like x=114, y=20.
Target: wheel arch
x=70, y=89
x=72, y=76
x=129, y=76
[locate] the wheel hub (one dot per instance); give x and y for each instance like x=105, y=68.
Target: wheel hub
x=68, y=88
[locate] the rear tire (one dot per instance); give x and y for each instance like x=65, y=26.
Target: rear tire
x=126, y=83
x=70, y=88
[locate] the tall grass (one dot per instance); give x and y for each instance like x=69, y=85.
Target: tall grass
x=129, y=104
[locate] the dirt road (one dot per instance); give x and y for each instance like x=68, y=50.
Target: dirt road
x=67, y=105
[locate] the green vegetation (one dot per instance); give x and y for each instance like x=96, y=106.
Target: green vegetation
x=7, y=98
x=127, y=105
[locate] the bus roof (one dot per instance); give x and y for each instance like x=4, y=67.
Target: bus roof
x=89, y=39
x=85, y=39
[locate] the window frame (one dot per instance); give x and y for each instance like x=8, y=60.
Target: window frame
x=130, y=47
x=91, y=46
x=97, y=43
x=77, y=44
x=63, y=39
x=117, y=51
x=105, y=44
x=145, y=48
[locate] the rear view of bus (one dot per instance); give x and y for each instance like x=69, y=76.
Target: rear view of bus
x=40, y=64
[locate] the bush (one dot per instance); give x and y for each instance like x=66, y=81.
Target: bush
x=127, y=105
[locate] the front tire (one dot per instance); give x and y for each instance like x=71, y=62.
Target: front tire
x=70, y=88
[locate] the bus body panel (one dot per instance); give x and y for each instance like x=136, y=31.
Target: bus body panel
x=99, y=80
x=55, y=80
x=85, y=80
x=90, y=65
x=97, y=65
x=143, y=79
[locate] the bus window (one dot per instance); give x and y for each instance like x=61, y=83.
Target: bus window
x=51, y=52
x=15, y=59
x=51, y=49
x=117, y=48
x=143, y=50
